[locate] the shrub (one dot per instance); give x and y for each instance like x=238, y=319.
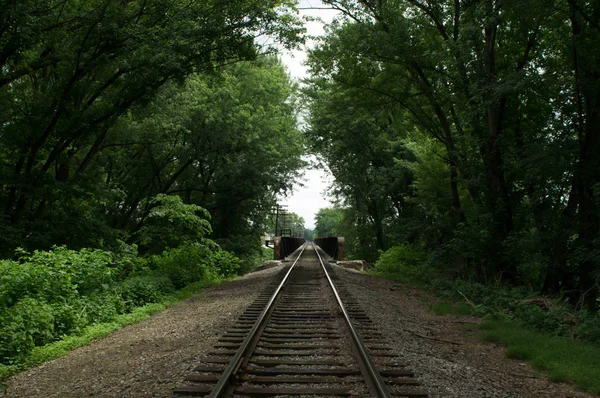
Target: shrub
x=550, y=320
x=588, y=327
x=139, y=290
x=183, y=265
x=45, y=296
x=103, y=307
x=405, y=260
x=170, y=223
x=18, y=280
x=55, y=275
x=226, y=264
x=127, y=260
x=69, y=317
x=23, y=326
x=194, y=263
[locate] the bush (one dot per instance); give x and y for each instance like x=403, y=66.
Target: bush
x=588, y=327
x=69, y=317
x=404, y=260
x=183, y=265
x=45, y=296
x=23, y=326
x=170, y=223
x=542, y=314
x=408, y=264
x=226, y=264
x=139, y=290
x=551, y=321
x=103, y=307
x=55, y=275
x=194, y=263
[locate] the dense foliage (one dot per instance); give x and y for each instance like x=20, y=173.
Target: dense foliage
x=47, y=295
x=139, y=140
x=106, y=105
x=470, y=132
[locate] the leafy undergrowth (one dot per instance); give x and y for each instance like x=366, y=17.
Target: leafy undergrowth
x=399, y=277
x=562, y=359
x=551, y=315
x=547, y=332
x=53, y=301
x=97, y=331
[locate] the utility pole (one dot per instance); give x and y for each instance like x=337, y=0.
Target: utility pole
x=279, y=208
x=284, y=215
x=276, y=218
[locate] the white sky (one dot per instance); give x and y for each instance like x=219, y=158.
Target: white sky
x=308, y=199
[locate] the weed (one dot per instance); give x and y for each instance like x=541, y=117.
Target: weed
x=563, y=359
x=94, y=332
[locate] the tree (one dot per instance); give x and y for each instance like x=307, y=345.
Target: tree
x=309, y=234
x=327, y=220
x=359, y=140
x=499, y=89
x=69, y=71
x=226, y=142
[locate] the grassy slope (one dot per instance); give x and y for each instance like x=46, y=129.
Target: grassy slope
x=563, y=360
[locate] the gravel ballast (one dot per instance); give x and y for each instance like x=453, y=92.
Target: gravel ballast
x=447, y=361
x=149, y=359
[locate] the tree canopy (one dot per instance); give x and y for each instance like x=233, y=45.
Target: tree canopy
x=469, y=129
x=106, y=104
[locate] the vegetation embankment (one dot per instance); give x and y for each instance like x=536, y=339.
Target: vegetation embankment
x=56, y=300
x=555, y=337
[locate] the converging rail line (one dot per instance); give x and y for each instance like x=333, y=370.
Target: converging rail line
x=303, y=336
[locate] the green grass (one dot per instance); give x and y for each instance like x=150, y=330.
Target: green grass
x=563, y=360
x=94, y=332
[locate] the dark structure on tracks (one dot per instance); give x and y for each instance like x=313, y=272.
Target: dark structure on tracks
x=284, y=246
x=333, y=246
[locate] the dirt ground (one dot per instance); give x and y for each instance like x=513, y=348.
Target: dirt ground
x=151, y=358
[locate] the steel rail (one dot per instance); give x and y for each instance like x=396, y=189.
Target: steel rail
x=233, y=366
x=373, y=373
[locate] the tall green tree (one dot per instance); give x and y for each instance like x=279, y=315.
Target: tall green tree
x=326, y=222
x=69, y=70
x=500, y=90
x=357, y=141
x=227, y=142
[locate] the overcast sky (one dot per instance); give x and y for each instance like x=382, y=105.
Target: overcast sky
x=307, y=200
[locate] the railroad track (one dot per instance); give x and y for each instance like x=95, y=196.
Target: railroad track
x=303, y=336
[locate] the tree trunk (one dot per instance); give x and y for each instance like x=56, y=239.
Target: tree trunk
x=499, y=197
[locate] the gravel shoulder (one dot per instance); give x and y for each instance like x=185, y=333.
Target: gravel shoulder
x=447, y=360
x=150, y=358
